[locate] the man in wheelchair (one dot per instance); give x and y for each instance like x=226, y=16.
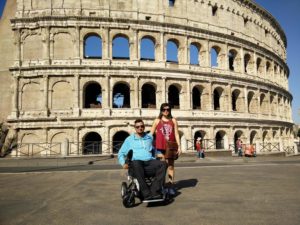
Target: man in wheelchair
x=143, y=162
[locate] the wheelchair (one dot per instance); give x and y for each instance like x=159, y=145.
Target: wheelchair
x=131, y=190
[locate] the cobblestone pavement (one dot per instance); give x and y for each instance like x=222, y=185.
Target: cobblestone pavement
x=216, y=191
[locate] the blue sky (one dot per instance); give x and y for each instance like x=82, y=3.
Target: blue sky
x=287, y=14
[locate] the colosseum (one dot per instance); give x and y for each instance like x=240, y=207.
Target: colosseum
x=75, y=74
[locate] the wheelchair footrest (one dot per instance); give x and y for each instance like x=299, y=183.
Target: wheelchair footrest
x=153, y=200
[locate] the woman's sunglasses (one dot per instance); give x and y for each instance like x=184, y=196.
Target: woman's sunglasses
x=165, y=109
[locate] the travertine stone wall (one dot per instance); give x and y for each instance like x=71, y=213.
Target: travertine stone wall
x=51, y=74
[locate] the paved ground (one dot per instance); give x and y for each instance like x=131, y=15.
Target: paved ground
x=214, y=191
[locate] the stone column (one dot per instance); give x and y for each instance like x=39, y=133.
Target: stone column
x=164, y=91
x=78, y=44
x=77, y=95
x=255, y=72
x=162, y=57
x=15, y=103
x=106, y=50
x=269, y=104
x=76, y=144
x=136, y=92
x=210, y=96
x=46, y=91
x=229, y=87
x=46, y=45
x=188, y=94
x=17, y=43
x=258, y=102
x=246, y=99
x=242, y=61
x=134, y=43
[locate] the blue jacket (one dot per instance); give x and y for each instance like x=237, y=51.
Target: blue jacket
x=141, y=146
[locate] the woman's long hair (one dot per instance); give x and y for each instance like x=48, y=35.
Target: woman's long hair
x=161, y=110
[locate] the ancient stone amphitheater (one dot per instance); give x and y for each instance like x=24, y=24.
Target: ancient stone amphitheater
x=220, y=63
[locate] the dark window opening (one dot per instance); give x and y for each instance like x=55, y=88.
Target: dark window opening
x=196, y=98
x=173, y=97
x=214, y=10
x=217, y=97
x=118, y=140
x=148, y=96
x=93, y=96
x=234, y=99
x=92, y=144
x=121, y=96
x=245, y=21
x=93, y=47
x=219, y=140
x=171, y=2
x=237, y=135
x=231, y=58
x=246, y=62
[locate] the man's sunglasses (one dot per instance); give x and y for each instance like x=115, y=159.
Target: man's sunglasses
x=141, y=126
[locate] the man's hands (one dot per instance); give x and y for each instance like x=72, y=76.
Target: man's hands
x=125, y=166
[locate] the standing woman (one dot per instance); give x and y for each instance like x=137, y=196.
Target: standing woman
x=166, y=129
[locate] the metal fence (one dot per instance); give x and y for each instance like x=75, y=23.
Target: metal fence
x=37, y=149
x=269, y=147
x=207, y=144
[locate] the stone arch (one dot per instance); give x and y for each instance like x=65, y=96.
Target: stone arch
x=263, y=104
x=252, y=102
x=201, y=134
x=174, y=96
x=265, y=136
x=238, y=134
x=92, y=46
x=215, y=59
x=33, y=47
x=29, y=145
x=32, y=97
x=238, y=98
x=63, y=46
x=253, y=137
x=57, y=141
x=197, y=97
x=121, y=95
x=92, y=143
x=118, y=139
x=259, y=66
x=92, y=95
x=148, y=95
x=62, y=96
x=172, y=50
x=195, y=53
x=248, y=63
x=233, y=60
x=219, y=102
x=120, y=47
x=147, y=48
x=220, y=139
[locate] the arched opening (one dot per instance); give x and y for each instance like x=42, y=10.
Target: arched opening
x=247, y=59
x=253, y=135
x=173, y=97
x=201, y=134
x=120, y=47
x=259, y=67
x=118, y=140
x=231, y=59
x=217, y=98
x=197, y=94
x=172, y=51
x=194, y=54
x=268, y=68
x=220, y=139
x=148, y=96
x=263, y=104
x=252, y=103
x=238, y=134
x=92, y=95
x=121, y=96
x=92, y=46
x=92, y=144
x=234, y=101
x=214, y=56
x=147, y=50
x=265, y=136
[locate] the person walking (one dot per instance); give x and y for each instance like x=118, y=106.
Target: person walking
x=166, y=129
x=200, y=151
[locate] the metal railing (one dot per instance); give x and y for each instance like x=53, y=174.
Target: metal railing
x=289, y=150
x=37, y=150
x=207, y=144
x=234, y=148
x=269, y=147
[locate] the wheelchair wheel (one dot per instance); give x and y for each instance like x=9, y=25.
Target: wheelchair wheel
x=124, y=189
x=128, y=200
